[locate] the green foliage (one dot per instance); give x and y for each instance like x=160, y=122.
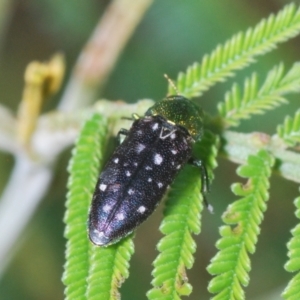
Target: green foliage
x=83, y=169
x=238, y=52
x=232, y=263
x=290, y=130
x=241, y=105
x=182, y=218
x=90, y=272
x=109, y=269
x=292, y=292
x=96, y=273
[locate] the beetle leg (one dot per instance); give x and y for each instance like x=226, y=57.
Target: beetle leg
x=204, y=178
x=204, y=175
x=122, y=131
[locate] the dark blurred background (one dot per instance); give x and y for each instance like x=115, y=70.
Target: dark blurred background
x=173, y=35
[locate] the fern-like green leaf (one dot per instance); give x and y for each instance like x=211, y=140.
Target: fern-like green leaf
x=240, y=104
x=239, y=52
x=292, y=291
x=83, y=169
x=232, y=264
x=290, y=130
x=109, y=269
x=182, y=218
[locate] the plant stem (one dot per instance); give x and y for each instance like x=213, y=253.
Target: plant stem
x=238, y=146
x=8, y=127
x=27, y=185
x=101, y=52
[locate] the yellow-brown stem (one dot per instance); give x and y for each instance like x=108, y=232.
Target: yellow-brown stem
x=41, y=81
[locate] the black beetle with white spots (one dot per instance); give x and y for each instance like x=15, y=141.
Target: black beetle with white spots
x=137, y=176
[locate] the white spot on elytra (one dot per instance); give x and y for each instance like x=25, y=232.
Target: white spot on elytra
x=155, y=126
x=149, y=179
x=173, y=136
x=106, y=208
x=128, y=173
x=135, y=163
x=141, y=209
x=160, y=185
x=116, y=160
x=120, y=216
x=102, y=187
x=148, y=168
x=174, y=151
x=130, y=191
x=158, y=159
x=178, y=167
x=99, y=233
x=172, y=163
x=140, y=148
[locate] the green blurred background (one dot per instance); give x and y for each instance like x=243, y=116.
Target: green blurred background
x=172, y=35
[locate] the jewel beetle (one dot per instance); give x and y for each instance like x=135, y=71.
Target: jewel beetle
x=142, y=167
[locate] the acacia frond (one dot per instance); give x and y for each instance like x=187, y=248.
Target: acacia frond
x=182, y=218
x=240, y=104
x=292, y=291
x=289, y=131
x=231, y=264
x=83, y=169
x=109, y=269
x=238, y=52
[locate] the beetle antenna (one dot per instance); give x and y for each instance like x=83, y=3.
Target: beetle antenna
x=171, y=83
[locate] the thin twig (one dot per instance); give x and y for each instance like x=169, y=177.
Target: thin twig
x=239, y=146
x=99, y=56
x=8, y=131
x=27, y=185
